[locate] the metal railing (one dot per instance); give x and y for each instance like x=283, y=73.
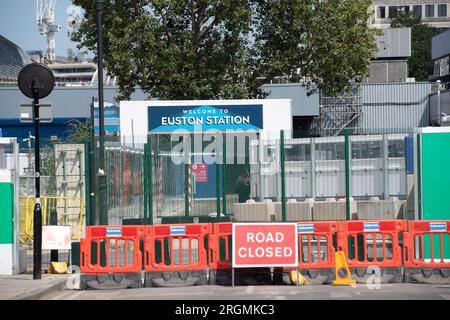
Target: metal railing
x=272, y=174
x=68, y=210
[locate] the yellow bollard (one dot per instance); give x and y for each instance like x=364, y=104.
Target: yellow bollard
x=343, y=277
x=58, y=267
x=301, y=279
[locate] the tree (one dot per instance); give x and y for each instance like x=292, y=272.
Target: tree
x=79, y=131
x=210, y=49
x=420, y=64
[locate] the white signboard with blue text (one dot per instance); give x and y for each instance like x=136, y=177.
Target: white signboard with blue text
x=262, y=115
x=205, y=117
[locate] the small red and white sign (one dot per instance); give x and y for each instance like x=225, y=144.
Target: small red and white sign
x=200, y=171
x=56, y=238
x=265, y=245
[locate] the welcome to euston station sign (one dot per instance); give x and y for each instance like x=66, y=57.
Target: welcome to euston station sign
x=205, y=117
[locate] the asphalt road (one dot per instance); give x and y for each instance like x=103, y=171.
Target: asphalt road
x=399, y=291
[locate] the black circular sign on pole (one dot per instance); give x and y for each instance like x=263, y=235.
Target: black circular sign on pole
x=36, y=81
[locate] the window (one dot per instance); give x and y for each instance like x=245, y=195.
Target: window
x=366, y=149
x=396, y=148
x=404, y=9
x=417, y=11
x=298, y=152
x=393, y=11
x=381, y=12
x=442, y=10
x=429, y=11
x=441, y=66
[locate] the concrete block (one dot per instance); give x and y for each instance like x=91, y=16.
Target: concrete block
x=254, y=211
x=331, y=209
x=295, y=211
x=379, y=209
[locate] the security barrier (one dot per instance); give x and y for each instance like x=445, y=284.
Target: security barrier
x=220, y=253
x=372, y=247
x=316, y=245
x=427, y=252
x=110, y=256
x=176, y=255
x=201, y=253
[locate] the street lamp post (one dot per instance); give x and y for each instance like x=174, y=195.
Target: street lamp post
x=36, y=81
x=101, y=176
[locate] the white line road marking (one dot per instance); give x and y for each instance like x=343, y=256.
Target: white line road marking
x=250, y=289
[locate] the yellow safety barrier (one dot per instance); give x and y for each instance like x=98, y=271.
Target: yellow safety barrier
x=70, y=211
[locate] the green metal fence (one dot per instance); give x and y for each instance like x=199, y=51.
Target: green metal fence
x=271, y=176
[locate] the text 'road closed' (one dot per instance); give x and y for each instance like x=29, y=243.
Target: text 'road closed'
x=264, y=244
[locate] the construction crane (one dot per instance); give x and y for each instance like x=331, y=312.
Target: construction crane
x=45, y=19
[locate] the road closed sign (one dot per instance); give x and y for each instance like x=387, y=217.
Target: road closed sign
x=265, y=245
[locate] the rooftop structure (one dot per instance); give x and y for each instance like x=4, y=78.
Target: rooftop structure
x=12, y=59
x=435, y=13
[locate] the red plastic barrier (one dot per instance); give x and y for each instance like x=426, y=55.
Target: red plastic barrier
x=176, y=247
x=315, y=244
x=370, y=242
x=421, y=249
x=220, y=246
x=111, y=249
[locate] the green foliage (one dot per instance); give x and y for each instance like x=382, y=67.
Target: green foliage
x=80, y=131
x=214, y=49
x=420, y=64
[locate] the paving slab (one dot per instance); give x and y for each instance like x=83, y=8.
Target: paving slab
x=23, y=287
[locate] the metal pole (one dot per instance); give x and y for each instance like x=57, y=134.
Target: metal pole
x=385, y=167
x=93, y=169
x=101, y=117
x=187, y=158
x=313, y=168
x=87, y=188
x=347, y=175
x=224, y=177
x=54, y=222
x=146, y=180
x=150, y=179
x=37, y=220
x=217, y=182
x=439, y=103
x=283, y=178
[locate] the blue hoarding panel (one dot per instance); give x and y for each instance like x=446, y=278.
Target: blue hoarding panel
x=207, y=189
x=112, y=118
x=409, y=154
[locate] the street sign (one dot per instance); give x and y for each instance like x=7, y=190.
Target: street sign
x=200, y=170
x=56, y=238
x=45, y=113
x=265, y=245
x=36, y=81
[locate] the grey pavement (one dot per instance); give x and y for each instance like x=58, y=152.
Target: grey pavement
x=23, y=287
x=400, y=291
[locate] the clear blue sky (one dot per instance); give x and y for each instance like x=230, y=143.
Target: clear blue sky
x=18, y=24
